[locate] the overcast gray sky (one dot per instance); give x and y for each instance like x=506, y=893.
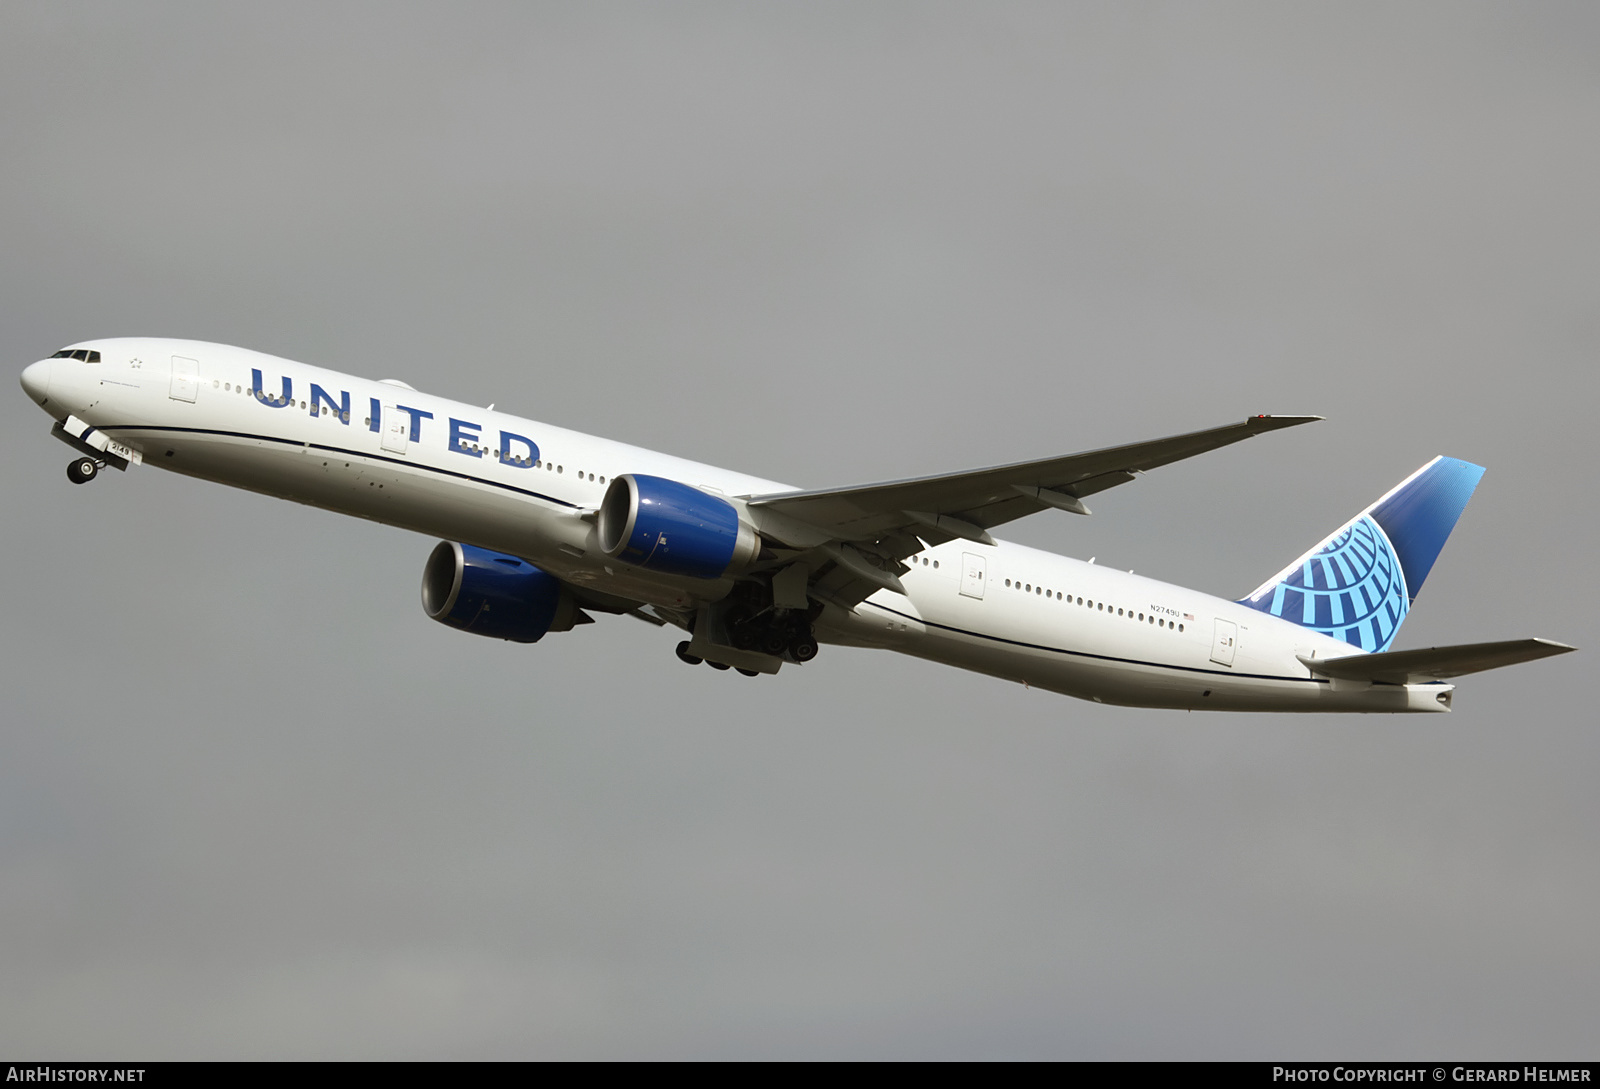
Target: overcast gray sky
x=254, y=804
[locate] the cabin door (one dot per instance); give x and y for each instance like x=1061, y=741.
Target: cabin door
x=185, y=379
x=395, y=426
x=972, y=573
x=1222, y=644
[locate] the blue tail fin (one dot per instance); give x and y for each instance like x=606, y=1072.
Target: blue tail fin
x=1359, y=584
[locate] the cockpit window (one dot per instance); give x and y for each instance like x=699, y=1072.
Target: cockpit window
x=84, y=355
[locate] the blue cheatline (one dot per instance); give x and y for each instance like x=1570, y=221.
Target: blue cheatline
x=1359, y=584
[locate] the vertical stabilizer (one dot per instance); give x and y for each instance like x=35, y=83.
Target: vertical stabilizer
x=1359, y=584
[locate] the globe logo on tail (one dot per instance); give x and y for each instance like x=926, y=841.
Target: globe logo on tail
x=1352, y=588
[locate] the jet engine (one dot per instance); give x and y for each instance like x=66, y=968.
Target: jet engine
x=662, y=525
x=489, y=593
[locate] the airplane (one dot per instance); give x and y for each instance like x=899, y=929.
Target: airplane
x=543, y=527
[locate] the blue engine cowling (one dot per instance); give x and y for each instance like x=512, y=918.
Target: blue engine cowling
x=490, y=593
x=662, y=525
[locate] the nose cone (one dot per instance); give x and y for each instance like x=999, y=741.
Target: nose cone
x=36, y=380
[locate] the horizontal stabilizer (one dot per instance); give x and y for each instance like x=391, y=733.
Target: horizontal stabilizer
x=1434, y=663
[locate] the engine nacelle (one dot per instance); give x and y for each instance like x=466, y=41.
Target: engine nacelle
x=662, y=525
x=489, y=593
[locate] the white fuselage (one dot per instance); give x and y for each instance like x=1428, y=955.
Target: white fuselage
x=520, y=487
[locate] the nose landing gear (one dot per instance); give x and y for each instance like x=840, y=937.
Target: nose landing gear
x=82, y=470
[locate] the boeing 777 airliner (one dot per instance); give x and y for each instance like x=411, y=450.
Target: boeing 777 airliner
x=544, y=526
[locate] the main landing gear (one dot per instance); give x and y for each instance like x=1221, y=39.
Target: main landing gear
x=83, y=470
x=776, y=634
x=749, y=621
x=691, y=659
x=771, y=631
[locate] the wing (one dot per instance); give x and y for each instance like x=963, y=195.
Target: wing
x=989, y=497
x=865, y=530
x=1434, y=663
